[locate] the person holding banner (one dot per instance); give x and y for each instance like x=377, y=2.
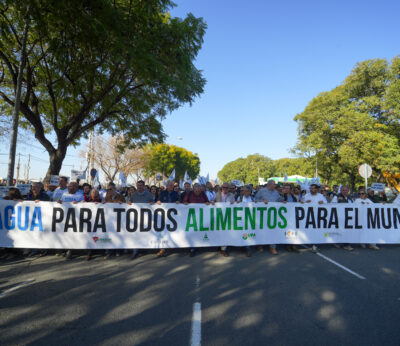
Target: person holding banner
x=224, y=196
x=289, y=197
x=343, y=197
x=71, y=196
x=37, y=194
x=140, y=196
x=167, y=196
x=246, y=198
x=61, y=189
x=364, y=200
x=268, y=194
x=314, y=197
x=195, y=196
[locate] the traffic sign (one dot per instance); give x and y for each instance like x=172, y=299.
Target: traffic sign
x=365, y=170
x=93, y=172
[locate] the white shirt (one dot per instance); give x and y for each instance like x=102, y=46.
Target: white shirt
x=246, y=199
x=335, y=200
x=58, y=193
x=72, y=197
x=363, y=201
x=314, y=198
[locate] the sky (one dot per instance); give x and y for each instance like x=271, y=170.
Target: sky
x=263, y=61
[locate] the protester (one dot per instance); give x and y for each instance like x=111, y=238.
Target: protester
x=364, y=200
x=167, y=196
x=268, y=194
x=246, y=198
x=61, y=189
x=140, y=196
x=225, y=196
x=14, y=195
x=195, y=196
x=37, y=193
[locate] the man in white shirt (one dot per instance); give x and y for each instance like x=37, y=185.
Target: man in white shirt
x=363, y=199
x=61, y=189
x=314, y=196
x=73, y=195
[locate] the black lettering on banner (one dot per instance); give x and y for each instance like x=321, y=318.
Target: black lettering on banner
x=70, y=221
x=396, y=217
x=322, y=215
x=85, y=219
x=173, y=221
x=144, y=211
x=333, y=219
x=347, y=218
x=128, y=220
x=160, y=212
x=58, y=216
x=299, y=212
x=119, y=211
x=373, y=220
x=356, y=219
x=386, y=221
x=310, y=220
x=100, y=221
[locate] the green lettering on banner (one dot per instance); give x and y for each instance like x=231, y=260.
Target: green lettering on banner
x=202, y=228
x=211, y=219
x=191, y=220
x=250, y=217
x=222, y=221
x=283, y=222
x=262, y=210
x=237, y=218
x=272, y=218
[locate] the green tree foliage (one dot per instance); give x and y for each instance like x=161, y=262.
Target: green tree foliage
x=250, y=168
x=118, y=65
x=164, y=158
x=294, y=166
x=355, y=123
x=247, y=169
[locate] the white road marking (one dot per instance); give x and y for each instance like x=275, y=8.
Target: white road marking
x=12, y=289
x=195, y=339
x=339, y=265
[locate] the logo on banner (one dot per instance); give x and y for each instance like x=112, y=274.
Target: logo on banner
x=248, y=236
x=206, y=237
x=104, y=240
x=332, y=234
x=290, y=234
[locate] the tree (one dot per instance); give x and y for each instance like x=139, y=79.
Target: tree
x=355, y=123
x=247, y=169
x=112, y=158
x=118, y=65
x=164, y=158
x=294, y=166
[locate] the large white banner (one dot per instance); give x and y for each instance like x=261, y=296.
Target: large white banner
x=97, y=226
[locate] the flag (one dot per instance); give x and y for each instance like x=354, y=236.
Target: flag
x=96, y=181
x=172, y=176
x=181, y=184
x=208, y=177
x=164, y=183
x=122, y=179
x=186, y=178
x=216, y=181
x=286, y=178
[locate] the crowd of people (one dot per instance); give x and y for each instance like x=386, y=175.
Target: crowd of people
x=196, y=193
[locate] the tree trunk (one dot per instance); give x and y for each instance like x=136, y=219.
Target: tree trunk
x=56, y=159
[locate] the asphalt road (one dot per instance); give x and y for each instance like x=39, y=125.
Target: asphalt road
x=289, y=299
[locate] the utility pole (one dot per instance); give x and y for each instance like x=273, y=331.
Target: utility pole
x=18, y=166
x=28, y=168
x=14, y=132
